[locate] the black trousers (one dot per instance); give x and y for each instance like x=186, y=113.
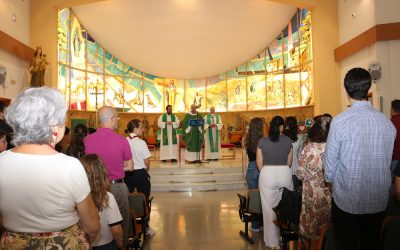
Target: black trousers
x=356, y=231
x=108, y=246
x=140, y=180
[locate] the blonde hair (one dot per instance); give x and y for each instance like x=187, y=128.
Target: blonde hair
x=98, y=179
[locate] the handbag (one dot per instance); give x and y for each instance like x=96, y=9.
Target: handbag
x=289, y=207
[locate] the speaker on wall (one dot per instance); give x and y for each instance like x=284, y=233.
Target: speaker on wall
x=375, y=70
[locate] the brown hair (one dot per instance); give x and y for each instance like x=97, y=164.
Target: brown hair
x=135, y=123
x=98, y=179
x=254, y=134
x=319, y=131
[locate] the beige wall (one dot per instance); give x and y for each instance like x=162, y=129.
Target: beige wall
x=325, y=39
x=355, y=17
x=17, y=75
x=18, y=29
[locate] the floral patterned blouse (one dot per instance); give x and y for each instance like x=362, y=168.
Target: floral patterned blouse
x=316, y=196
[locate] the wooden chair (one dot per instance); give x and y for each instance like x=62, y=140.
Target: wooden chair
x=288, y=221
x=139, y=211
x=249, y=209
x=390, y=239
x=326, y=240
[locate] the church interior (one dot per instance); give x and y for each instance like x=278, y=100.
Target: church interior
x=245, y=59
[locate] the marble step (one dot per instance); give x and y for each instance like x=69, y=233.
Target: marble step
x=193, y=170
x=196, y=178
x=204, y=186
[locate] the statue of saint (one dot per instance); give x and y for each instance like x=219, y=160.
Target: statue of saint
x=37, y=68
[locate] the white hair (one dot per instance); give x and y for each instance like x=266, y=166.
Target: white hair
x=32, y=114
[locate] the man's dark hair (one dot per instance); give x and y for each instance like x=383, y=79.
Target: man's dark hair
x=396, y=105
x=135, y=123
x=357, y=83
x=168, y=107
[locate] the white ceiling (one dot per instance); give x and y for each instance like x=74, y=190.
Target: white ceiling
x=185, y=39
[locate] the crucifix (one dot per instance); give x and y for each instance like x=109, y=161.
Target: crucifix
x=95, y=89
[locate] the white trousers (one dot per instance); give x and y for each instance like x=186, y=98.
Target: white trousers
x=272, y=178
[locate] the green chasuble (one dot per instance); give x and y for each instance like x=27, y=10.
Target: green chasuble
x=194, y=139
x=214, y=145
x=165, y=130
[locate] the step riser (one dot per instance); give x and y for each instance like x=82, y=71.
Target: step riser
x=195, y=179
x=183, y=171
x=189, y=188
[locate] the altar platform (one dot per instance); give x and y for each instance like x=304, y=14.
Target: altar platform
x=224, y=174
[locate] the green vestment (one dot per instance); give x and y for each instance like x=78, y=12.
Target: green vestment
x=194, y=138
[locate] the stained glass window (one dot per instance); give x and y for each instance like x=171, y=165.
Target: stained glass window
x=216, y=93
x=275, y=91
x=63, y=35
x=195, y=94
x=153, y=88
x=236, y=89
x=278, y=76
x=95, y=91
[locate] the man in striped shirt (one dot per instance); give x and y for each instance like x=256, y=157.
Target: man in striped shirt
x=357, y=162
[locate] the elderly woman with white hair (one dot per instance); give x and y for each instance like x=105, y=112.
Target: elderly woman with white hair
x=45, y=196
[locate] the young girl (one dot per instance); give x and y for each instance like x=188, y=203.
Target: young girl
x=110, y=236
x=254, y=134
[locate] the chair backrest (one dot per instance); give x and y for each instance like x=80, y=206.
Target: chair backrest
x=137, y=202
x=254, y=201
x=390, y=239
x=326, y=240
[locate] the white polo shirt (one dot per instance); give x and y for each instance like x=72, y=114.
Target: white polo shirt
x=109, y=216
x=139, y=149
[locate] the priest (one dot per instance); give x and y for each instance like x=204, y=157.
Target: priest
x=168, y=123
x=193, y=135
x=212, y=127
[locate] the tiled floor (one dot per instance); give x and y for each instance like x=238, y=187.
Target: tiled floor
x=198, y=220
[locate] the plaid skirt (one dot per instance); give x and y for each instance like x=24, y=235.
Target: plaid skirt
x=72, y=238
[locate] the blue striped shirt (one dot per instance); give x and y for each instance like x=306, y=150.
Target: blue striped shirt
x=357, y=159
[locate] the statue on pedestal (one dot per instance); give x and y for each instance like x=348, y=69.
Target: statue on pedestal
x=37, y=68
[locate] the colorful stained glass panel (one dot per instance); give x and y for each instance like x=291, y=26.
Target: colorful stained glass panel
x=95, y=91
x=216, y=93
x=256, y=99
x=153, y=88
x=78, y=94
x=78, y=45
x=306, y=85
x=237, y=94
x=195, y=94
x=292, y=89
x=95, y=56
x=114, y=94
x=63, y=35
x=275, y=91
x=133, y=95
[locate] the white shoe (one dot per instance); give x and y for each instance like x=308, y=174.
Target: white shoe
x=256, y=230
x=150, y=233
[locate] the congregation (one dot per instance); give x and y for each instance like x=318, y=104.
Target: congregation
x=346, y=168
